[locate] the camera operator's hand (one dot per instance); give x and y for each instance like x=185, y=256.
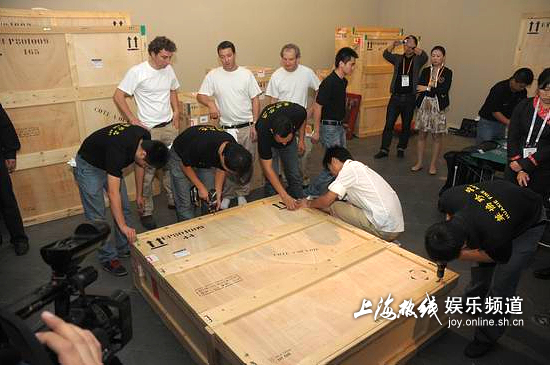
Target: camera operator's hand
x=73, y=345
x=130, y=233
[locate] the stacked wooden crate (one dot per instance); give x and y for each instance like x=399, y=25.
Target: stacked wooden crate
x=372, y=75
x=56, y=84
x=259, y=284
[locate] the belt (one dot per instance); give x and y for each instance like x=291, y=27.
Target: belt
x=331, y=122
x=162, y=124
x=236, y=126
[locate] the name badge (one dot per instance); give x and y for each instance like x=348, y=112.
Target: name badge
x=527, y=151
x=404, y=80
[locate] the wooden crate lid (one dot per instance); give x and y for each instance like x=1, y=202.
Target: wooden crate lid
x=46, y=17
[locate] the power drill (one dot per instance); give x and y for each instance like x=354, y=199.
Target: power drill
x=441, y=270
x=206, y=207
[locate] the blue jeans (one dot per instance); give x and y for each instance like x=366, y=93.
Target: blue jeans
x=91, y=184
x=290, y=159
x=331, y=135
x=489, y=130
x=505, y=278
x=181, y=186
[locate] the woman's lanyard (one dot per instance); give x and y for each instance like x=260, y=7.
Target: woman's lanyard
x=533, y=125
x=437, y=74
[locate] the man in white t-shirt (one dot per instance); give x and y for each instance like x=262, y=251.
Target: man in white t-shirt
x=370, y=202
x=292, y=82
x=231, y=94
x=153, y=84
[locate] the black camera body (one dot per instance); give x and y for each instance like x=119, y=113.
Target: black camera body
x=108, y=318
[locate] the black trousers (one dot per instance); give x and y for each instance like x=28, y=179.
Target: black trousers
x=398, y=104
x=9, y=208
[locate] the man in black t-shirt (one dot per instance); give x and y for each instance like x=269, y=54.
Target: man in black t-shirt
x=99, y=164
x=202, y=156
x=495, y=113
x=329, y=111
x=276, y=128
x=495, y=224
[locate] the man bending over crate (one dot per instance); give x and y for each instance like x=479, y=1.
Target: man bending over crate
x=99, y=165
x=366, y=200
x=202, y=156
x=276, y=128
x=153, y=84
x=495, y=224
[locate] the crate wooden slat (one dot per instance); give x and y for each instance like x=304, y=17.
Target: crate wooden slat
x=259, y=284
x=56, y=85
x=22, y=18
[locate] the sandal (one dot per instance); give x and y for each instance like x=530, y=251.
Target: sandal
x=416, y=169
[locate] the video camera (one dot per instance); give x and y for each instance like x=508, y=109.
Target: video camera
x=108, y=318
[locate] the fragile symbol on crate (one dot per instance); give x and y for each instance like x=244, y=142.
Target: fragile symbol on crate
x=135, y=42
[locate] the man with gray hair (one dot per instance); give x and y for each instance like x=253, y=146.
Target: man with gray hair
x=292, y=82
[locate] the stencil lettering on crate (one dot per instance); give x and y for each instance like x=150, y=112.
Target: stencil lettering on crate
x=297, y=252
x=218, y=285
x=28, y=44
x=110, y=116
x=282, y=356
x=27, y=132
x=5, y=23
x=162, y=241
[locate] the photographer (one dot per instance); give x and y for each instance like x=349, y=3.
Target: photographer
x=72, y=344
x=495, y=224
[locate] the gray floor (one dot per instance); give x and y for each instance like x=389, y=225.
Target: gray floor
x=153, y=343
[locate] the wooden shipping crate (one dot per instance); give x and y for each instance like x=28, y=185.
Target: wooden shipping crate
x=56, y=85
x=192, y=112
x=258, y=284
x=22, y=18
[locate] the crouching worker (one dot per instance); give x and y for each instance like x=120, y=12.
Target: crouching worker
x=99, y=165
x=276, y=128
x=202, y=156
x=495, y=224
x=367, y=201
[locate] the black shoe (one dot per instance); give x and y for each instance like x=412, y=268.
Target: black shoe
x=148, y=222
x=543, y=274
x=21, y=248
x=381, y=154
x=114, y=267
x=171, y=206
x=400, y=153
x=477, y=348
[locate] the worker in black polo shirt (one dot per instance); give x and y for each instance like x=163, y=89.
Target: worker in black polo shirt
x=276, y=128
x=99, y=164
x=329, y=111
x=497, y=225
x=495, y=113
x=202, y=156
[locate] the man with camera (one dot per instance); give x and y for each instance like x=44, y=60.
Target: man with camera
x=406, y=68
x=9, y=144
x=99, y=164
x=202, y=156
x=495, y=224
x=276, y=129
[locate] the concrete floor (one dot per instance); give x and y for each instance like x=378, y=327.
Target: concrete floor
x=153, y=343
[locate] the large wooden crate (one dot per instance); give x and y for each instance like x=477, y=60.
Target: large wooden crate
x=56, y=85
x=258, y=284
x=533, y=46
x=23, y=18
x=372, y=75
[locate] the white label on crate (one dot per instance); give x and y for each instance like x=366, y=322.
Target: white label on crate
x=261, y=73
x=181, y=253
x=203, y=119
x=152, y=258
x=194, y=121
x=97, y=62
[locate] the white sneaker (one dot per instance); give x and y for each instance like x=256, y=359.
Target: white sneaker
x=225, y=203
x=241, y=200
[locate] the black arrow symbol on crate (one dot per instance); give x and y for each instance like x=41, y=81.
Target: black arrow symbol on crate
x=530, y=27
x=135, y=41
x=120, y=23
x=114, y=23
x=129, y=42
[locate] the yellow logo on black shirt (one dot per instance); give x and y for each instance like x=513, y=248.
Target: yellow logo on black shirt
x=116, y=129
x=205, y=128
x=488, y=202
x=273, y=107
